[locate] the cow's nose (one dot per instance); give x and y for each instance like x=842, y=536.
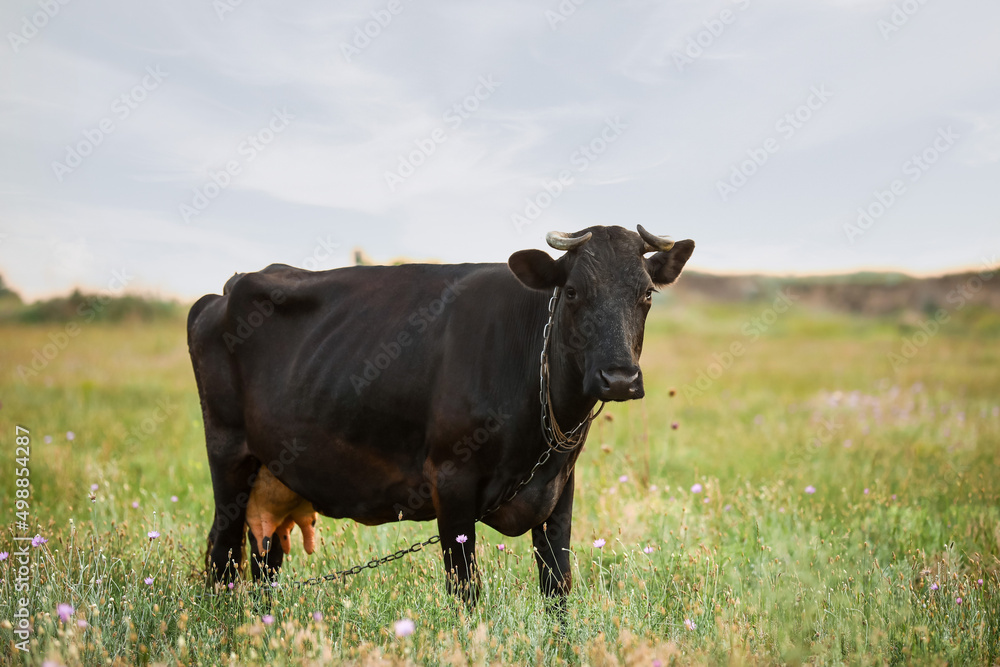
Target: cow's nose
x=620, y=384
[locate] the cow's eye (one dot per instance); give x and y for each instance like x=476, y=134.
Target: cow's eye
x=570, y=293
x=649, y=294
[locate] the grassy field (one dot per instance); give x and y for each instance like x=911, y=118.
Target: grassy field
x=810, y=499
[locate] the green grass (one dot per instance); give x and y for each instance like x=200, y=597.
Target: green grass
x=905, y=464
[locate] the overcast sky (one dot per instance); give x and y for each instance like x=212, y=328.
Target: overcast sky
x=176, y=142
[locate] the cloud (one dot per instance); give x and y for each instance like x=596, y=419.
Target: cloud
x=356, y=118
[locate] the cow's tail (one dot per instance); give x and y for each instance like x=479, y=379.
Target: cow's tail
x=231, y=283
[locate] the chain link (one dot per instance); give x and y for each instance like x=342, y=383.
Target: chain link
x=372, y=564
x=555, y=439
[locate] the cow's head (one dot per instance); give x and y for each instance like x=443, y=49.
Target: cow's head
x=607, y=288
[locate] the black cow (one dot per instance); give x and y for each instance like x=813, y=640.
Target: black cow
x=381, y=393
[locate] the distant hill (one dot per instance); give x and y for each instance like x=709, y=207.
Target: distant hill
x=7, y=294
x=865, y=293
x=86, y=307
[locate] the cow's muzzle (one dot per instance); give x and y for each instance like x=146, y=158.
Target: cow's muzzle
x=619, y=384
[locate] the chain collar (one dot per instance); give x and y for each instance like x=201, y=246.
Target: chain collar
x=555, y=438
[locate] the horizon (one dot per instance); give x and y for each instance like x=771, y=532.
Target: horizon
x=183, y=299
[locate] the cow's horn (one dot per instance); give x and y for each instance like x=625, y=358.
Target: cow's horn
x=654, y=243
x=562, y=241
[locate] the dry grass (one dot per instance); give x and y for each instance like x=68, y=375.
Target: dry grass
x=905, y=465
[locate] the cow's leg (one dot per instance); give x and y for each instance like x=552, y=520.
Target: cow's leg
x=233, y=470
x=457, y=528
x=551, y=541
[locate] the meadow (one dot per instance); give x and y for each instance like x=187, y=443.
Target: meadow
x=797, y=487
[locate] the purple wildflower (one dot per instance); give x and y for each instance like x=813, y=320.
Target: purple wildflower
x=404, y=627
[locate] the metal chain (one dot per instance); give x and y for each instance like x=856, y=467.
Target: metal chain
x=555, y=439
x=357, y=569
x=372, y=564
x=531, y=475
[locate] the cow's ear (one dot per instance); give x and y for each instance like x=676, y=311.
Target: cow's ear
x=536, y=269
x=664, y=267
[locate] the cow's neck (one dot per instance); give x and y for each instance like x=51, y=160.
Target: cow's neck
x=569, y=403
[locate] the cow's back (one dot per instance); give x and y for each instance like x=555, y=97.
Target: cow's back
x=361, y=335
